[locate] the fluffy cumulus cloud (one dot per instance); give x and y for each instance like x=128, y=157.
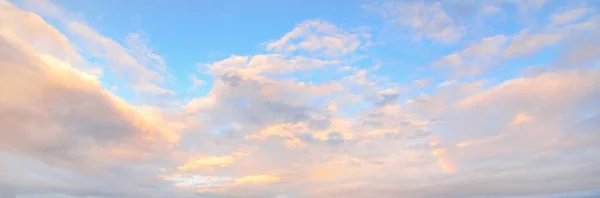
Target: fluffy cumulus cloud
x=505, y=114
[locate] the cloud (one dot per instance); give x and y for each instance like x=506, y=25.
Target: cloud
x=500, y=114
x=142, y=78
x=475, y=58
x=471, y=152
x=63, y=117
x=318, y=36
x=138, y=64
x=491, y=51
x=425, y=19
x=145, y=54
x=521, y=118
x=444, y=163
x=265, y=64
x=26, y=27
x=569, y=84
x=196, y=82
x=526, y=43
x=580, y=52
x=253, y=179
x=272, y=126
x=207, y=162
x=528, y=5
x=423, y=82
x=568, y=16
x=385, y=97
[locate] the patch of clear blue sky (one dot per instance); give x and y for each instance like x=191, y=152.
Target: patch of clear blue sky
x=188, y=32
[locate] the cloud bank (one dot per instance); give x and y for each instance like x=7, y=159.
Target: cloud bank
x=264, y=130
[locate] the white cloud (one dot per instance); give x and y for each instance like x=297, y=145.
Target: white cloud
x=490, y=9
x=144, y=54
x=568, y=16
x=142, y=78
x=265, y=64
x=527, y=5
x=138, y=64
x=196, y=82
x=475, y=58
x=423, y=82
x=491, y=51
x=526, y=43
x=321, y=37
x=425, y=19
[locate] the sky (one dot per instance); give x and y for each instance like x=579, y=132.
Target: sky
x=299, y=99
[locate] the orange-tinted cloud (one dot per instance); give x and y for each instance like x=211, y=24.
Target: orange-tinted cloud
x=521, y=118
x=443, y=162
x=257, y=179
x=206, y=162
x=72, y=112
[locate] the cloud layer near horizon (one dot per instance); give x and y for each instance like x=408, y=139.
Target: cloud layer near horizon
x=262, y=131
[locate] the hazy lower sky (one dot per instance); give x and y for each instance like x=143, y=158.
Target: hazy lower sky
x=299, y=99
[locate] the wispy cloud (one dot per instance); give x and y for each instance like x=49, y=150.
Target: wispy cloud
x=137, y=63
x=320, y=37
x=425, y=19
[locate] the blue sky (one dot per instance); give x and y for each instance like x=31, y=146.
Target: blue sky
x=414, y=98
x=208, y=31
x=188, y=33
